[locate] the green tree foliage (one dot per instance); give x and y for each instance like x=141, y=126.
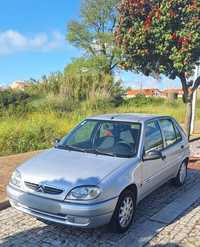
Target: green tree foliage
x=88, y=82
x=94, y=32
x=161, y=37
x=82, y=80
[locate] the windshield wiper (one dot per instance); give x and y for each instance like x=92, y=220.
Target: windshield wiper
x=97, y=151
x=73, y=148
x=94, y=151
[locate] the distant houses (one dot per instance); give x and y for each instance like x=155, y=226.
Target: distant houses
x=148, y=92
x=155, y=92
x=173, y=91
x=19, y=85
x=15, y=85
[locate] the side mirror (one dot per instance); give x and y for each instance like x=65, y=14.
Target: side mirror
x=56, y=141
x=152, y=155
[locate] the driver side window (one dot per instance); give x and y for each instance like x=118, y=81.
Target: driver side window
x=153, y=137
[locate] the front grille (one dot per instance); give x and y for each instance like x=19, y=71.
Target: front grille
x=45, y=189
x=32, y=186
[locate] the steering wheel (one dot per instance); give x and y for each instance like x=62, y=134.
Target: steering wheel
x=125, y=144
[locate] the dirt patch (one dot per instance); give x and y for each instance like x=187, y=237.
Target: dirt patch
x=7, y=165
x=194, y=165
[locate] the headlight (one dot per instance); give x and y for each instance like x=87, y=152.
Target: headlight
x=83, y=193
x=16, y=178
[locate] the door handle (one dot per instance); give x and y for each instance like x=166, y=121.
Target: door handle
x=182, y=146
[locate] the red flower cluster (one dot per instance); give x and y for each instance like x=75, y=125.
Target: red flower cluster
x=147, y=22
x=134, y=7
x=121, y=19
x=130, y=30
x=174, y=36
x=182, y=41
x=135, y=2
x=193, y=6
x=158, y=13
x=154, y=12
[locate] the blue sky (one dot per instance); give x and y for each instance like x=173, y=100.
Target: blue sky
x=32, y=41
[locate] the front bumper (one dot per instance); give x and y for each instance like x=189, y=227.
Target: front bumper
x=80, y=215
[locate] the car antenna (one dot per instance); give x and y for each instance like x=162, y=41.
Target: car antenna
x=113, y=117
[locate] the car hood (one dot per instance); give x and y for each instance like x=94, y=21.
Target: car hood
x=67, y=169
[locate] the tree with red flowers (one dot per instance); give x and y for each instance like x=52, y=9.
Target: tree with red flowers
x=161, y=37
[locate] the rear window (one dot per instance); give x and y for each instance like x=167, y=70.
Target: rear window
x=178, y=133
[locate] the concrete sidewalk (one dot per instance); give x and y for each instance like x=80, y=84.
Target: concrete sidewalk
x=144, y=232
x=195, y=149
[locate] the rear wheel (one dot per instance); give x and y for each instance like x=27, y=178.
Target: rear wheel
x=124, y=212
x=182, y=174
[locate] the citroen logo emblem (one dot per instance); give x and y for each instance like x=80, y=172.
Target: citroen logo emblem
x=40, y=189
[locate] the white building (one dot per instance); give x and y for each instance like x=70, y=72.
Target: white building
x=19, y=85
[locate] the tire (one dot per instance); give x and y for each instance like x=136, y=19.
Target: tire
x=179, y=180
x=125, y=209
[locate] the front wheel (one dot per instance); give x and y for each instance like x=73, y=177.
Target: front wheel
x=182, y=174
x=124, y=212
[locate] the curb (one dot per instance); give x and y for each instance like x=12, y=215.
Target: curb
x=4, y=204
x=194, y=158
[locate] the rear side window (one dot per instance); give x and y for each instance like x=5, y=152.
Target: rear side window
x=153, y=138
x=168, y=131
x=178, y=133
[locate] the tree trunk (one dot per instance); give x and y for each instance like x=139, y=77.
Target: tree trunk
x=188, y=117
x=188, y=92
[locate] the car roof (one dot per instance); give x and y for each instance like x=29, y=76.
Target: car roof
x=127, y=117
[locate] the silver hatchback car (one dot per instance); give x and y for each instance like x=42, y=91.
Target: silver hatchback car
x=99, y=172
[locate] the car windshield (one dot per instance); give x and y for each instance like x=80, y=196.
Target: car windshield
x=111, y=138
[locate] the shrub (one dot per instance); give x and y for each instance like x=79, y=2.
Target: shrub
x=141, y=100
x=8, y=97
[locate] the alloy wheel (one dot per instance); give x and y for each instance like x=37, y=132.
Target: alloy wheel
x=126, y=212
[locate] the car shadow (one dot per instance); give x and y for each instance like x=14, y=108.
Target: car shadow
x=167, y=245
x=30, y=232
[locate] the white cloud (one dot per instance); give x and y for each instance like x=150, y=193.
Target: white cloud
x=12, y=41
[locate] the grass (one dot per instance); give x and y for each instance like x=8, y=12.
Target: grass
x=37, y=130
x=177, y=109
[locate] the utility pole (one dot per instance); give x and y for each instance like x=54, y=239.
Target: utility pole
x=194, y=101
x=141, y=87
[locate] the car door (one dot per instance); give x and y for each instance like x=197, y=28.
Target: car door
x=174, y=146
x=152, y=169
